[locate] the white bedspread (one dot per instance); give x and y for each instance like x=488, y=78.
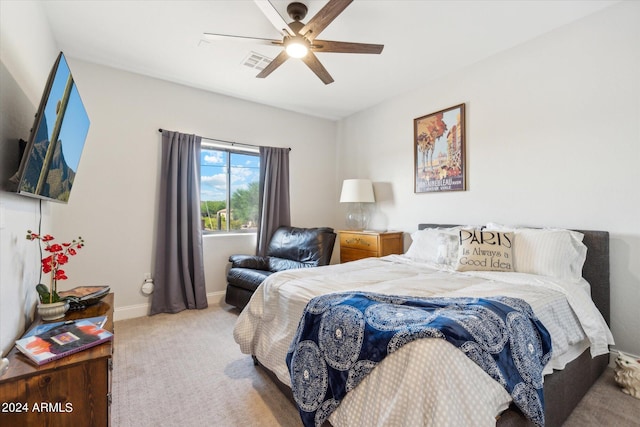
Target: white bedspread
x=429, y=381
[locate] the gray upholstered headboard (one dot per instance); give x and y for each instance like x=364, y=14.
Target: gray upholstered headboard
x=595, y=270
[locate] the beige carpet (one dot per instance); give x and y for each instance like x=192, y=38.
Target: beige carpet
x=185, y=370
x=606, y=405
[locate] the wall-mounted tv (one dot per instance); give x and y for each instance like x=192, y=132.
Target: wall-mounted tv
x=52, y=154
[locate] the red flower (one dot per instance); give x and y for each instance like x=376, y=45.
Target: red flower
x=59, y=255
x=53, y=248
x=62, y=259
x=47, y=264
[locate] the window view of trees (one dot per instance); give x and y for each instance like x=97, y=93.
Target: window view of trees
x=229, y=190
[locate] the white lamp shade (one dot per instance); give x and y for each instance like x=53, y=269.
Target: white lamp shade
x=357, y=191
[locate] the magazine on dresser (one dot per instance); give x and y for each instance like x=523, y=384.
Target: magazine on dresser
x=63, y=340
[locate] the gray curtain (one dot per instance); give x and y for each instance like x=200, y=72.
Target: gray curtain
x=179, y=266
x=273, y=204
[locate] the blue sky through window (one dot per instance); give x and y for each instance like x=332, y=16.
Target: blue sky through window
x=245, y=169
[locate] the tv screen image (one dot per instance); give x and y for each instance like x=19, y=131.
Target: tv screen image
x=52, y=155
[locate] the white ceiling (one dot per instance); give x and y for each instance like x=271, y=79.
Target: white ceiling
x=423, y=41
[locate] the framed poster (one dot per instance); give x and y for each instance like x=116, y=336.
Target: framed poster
x=438, y=148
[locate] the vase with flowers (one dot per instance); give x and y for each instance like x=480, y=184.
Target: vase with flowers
x=51, y=306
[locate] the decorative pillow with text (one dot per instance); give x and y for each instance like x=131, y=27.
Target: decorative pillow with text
x=483, y=250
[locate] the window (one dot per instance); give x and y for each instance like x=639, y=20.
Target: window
x=229, y=180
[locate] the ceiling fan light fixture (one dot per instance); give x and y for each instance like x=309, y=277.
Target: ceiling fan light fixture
x=296, y=47
x=300, y=39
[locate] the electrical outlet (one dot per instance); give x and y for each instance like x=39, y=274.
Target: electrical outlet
x=147, y=286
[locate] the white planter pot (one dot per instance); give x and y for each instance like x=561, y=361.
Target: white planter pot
x=53, y=311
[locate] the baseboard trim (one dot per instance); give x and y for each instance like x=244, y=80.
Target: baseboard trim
x=141, y=310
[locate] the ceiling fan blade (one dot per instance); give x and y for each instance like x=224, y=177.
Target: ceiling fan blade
x=323, y=18
x=274, y=17
x=312, y=62
x=277, y=61
x=242, y=39
x=345, y=47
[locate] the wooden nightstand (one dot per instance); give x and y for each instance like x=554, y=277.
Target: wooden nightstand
x=72, y=391
x=364, y=244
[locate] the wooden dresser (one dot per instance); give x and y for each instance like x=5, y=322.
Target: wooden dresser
x=72, y=391
x=364, y=244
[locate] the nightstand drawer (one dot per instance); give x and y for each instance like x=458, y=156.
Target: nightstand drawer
x=356, y=245
x=368, y=242
x=350, y=254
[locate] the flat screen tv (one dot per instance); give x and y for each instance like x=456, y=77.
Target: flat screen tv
x=52, y=154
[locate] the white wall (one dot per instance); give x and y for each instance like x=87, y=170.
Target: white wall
x=113, y=202
x=553, y=139
x=25, y=64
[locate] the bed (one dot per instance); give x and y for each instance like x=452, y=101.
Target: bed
x=429, y=381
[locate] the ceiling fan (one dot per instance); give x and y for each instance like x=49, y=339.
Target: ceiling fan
x=299, y=39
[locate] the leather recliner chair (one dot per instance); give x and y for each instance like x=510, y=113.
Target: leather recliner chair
x=289, y=247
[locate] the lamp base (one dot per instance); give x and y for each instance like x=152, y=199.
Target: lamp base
x=357, y=217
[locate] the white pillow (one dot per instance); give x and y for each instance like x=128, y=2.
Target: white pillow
x=436, y=245
x=547, y=251
x=448, y=248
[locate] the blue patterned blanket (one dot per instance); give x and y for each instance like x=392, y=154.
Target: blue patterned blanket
x=343, y=336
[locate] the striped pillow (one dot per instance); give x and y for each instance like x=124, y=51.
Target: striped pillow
x=549, y=252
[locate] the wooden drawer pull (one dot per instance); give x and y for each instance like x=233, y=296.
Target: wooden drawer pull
x=358, y=241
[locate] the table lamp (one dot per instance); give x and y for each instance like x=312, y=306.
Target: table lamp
x=357, y=192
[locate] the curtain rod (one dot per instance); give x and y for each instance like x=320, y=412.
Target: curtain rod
x=227, y=142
